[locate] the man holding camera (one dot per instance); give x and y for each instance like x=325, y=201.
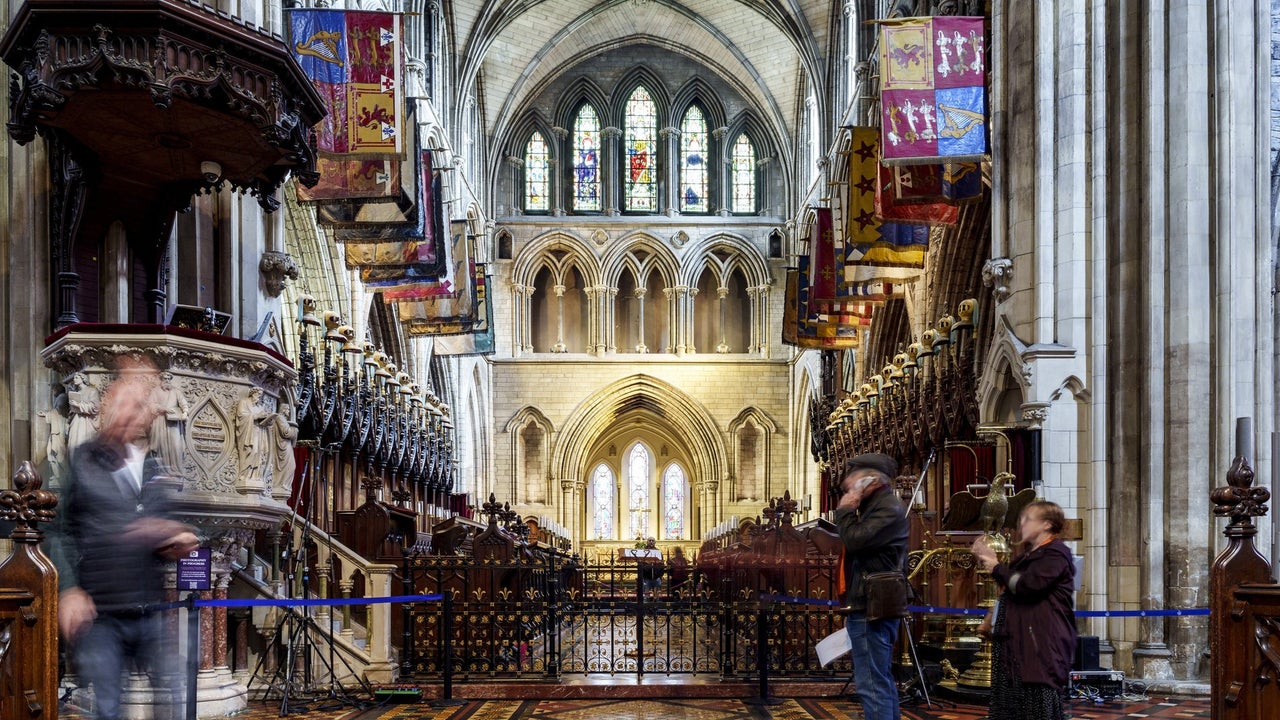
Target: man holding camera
x=874, y=530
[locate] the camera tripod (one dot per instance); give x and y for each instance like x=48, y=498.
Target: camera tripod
x=296, y=644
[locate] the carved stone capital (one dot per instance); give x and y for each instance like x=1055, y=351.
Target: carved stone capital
x=1035, y=413
x=515, y=162
x=997, y=274
x=275, y=266
x=611, y=132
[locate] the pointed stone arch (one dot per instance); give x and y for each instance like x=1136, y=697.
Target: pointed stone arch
x=533, y=436
x=1007, y=384
x=744, y=256
x=684, y=419
x=750, y=436
x=538, y=252
x=643, y=253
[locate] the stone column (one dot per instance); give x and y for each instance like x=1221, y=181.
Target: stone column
x=611, y=152
x=671, y=178
x=720, y=174
x=691, y=295
x=723, y=346
x=559, y=345
x=610, y=310
x=640, y=346
x=595, y=321
x=378, y=584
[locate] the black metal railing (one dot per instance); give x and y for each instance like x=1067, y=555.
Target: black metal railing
x=545, y=616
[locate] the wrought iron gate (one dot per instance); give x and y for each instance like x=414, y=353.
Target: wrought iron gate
x=541, y=616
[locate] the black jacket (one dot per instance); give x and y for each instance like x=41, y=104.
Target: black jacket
x=1040, y=621
x=98, y=500
x=875, y=540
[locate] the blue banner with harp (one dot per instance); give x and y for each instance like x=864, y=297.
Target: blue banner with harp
x=933, y=94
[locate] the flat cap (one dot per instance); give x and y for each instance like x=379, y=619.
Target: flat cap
x=871, y=461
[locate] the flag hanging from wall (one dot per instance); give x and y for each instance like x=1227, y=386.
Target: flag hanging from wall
x=933, y=98
x=355, y=60
x=875, y=250
x=807, y=328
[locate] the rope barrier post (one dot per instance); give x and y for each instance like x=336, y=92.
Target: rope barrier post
x=193, y=653
x=406, y=617
x=447, y=699
x=762, y=657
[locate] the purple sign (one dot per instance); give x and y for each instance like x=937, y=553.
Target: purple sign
x=194, y=570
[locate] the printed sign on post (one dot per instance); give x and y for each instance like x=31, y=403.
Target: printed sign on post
x=195, y=569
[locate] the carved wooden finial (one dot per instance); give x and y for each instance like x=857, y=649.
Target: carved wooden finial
x=787, y=508
x=28, y=505
x=493, y=509
x=1240, y=500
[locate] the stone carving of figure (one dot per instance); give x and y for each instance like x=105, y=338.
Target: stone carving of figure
x=56, y=450
x=83, y=401
x=283, y=461
x=168, y=430
x=250, y=419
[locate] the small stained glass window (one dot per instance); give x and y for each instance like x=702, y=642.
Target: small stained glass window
x=641, y=120
x=602, y=487
x=744, y=175
x=537, y=181
x=586, y=160
x=673, y=494
x=693, y=162
x=638, y=489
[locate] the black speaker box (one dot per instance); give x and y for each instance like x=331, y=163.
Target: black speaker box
x=1086, y=653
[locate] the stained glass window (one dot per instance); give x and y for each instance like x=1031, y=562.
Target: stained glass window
x=586, y=160
x=602, y=503
x=638, y=489
x=744, y=175
x=536, y=179
x=693, y=162
x=641, y=188
x=673, y=487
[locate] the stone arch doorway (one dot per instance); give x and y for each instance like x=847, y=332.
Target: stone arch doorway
x=671, y=429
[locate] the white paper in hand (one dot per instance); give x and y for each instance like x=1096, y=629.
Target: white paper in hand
x=833, y=646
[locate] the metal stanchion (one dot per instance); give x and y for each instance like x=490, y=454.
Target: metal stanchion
x=762, y=660
x=447, y=627
x=193, y=653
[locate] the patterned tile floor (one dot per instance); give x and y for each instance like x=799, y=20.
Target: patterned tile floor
x=692, y=709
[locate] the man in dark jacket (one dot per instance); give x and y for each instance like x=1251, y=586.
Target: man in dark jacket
x=873, y=527
x=110, y=543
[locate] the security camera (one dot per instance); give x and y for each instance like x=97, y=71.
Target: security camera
x=211, y=171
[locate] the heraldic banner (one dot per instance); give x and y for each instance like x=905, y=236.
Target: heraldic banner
x=933, y=96
x=355, y=61
x=876, y=250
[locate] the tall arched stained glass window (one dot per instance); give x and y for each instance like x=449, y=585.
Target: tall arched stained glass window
x=638, y=489
x=641, y=121
x=673, y=498
x=537, y=183
x=602, y=487
x=744, y=175
x=693, y=162
x=586, y=160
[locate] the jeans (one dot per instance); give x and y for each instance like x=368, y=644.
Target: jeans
x=872, y=655
x=115, y=644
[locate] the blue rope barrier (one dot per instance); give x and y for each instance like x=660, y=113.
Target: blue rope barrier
x=919, y=609
x=933, y=610
x=315, y=602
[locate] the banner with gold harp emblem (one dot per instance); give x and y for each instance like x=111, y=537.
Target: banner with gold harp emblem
x=933, y=95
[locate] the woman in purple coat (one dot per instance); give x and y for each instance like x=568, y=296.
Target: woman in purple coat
x=1032, y=626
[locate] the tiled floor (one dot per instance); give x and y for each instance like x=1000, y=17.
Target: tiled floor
x=690, y=708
